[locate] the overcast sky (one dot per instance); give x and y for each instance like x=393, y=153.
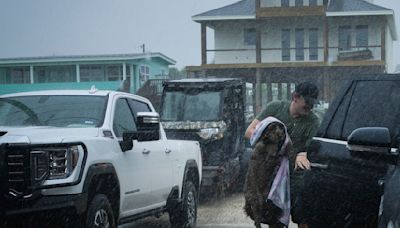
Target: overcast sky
x=80, y=27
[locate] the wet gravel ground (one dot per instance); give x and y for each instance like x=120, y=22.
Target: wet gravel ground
x=224, y=212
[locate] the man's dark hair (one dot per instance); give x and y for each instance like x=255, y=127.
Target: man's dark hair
x=309, y=91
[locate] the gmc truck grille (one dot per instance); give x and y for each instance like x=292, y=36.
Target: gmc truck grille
x=17, y=171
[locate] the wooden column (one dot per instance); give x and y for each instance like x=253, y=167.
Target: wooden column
x=258, y=45
x=326, y=87
x=383, y=42
x=258, y=70
x=203, y=43
x=326, y=40
x=258, y=90
x=280, y=91
x=269, y=90
x=289, y=91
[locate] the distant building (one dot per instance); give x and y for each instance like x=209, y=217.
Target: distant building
x=283, y=42
x=81, y=72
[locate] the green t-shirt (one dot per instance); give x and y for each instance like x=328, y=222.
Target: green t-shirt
x=301, y=129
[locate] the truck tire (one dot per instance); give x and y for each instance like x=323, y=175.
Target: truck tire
x=100, y=213
x=185, y=215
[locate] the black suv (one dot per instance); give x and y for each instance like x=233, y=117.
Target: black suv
x=355, y=176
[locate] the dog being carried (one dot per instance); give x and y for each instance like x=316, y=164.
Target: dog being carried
x=264, y=163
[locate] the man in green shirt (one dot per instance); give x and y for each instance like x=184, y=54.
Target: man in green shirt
x=302, y=125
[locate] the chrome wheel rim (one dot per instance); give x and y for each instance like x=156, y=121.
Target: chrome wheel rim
x=101, y=219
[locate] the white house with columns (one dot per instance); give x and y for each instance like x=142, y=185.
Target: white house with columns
x=288, y=41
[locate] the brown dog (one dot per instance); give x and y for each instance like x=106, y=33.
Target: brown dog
x=263, y=166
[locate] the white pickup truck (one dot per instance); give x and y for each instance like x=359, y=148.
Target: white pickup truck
x=92, y=159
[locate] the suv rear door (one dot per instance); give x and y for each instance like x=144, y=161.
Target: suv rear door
x=343, y=188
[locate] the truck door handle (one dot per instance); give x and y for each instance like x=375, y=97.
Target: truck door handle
x=146, y=151
x=167, y=151
x=318, y=165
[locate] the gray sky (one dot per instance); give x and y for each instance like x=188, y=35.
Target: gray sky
x=75, y=27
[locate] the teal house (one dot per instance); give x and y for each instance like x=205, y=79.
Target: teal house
x=82, y=71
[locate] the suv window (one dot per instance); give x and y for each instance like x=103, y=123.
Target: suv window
x=123, y=118
x=379, y=101
x=335, y=127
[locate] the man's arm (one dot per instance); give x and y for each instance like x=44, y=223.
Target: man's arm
x=250, y=129
x=302, y=161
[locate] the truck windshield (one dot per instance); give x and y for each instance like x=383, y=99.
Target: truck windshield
x=191, y=106
x=54, y=110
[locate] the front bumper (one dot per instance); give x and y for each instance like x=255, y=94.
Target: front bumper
x=16, y=207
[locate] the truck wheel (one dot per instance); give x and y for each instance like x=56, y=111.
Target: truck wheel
x=99, y=213
x=185, y=215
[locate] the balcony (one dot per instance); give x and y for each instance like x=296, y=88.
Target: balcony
x=295, y=57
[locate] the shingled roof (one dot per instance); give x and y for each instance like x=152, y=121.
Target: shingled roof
x=244, y=9
x=353, y=5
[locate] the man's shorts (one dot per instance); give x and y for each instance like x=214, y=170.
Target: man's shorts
x=296, y=197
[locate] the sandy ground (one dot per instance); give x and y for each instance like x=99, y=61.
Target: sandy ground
x=225, y=212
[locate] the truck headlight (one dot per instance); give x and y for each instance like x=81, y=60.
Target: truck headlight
x=53, y=163
x=211, y=133
x=63, y=162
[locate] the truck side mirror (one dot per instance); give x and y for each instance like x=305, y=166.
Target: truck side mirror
x=370, y=139
x=148, y=129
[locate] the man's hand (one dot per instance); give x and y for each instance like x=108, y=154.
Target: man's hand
x=302, y=162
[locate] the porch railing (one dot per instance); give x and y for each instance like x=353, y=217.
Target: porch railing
x=293, y=54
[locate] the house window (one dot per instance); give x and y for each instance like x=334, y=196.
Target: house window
x=313, y=43
x=344, y=38
x=299, y=44
x=285, y=44
x=91, y=73
x=312, y=3
x=114, y=72
x=144, y=74
x=250, y=36
x=285, y=3
x=20, y=76
x=362, y=36
x=50, y=74
x=298, y=2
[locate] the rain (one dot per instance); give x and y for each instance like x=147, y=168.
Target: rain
x=145, y=113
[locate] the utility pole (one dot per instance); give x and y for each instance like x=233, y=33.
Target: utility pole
x=143, y=48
